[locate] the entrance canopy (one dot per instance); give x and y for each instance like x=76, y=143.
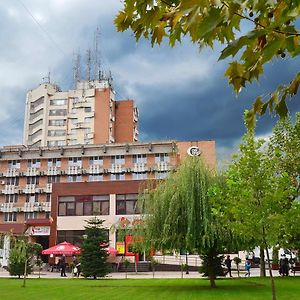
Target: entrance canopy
x=62, y=248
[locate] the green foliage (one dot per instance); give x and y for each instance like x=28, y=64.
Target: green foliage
x=272, y=33
x=237, y=260
x=93, y=252
x=213, y=262
x=179, y=213
x=20, y=254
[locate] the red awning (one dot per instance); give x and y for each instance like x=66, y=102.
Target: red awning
x=62, y=248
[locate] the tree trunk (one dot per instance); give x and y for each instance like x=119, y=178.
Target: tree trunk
x=210, y=270
x=262, y=261
x=25, y=274
x=269, y=266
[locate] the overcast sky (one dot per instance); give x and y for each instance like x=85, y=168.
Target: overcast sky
x=181, y=93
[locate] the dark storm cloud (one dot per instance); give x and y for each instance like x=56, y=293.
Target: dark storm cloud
x=181, y=93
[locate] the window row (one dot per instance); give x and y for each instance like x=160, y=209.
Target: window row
x=12, y=216
x=30, y=198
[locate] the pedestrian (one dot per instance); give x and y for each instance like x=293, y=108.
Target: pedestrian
x=63, y=266
x=284, y=265
x=247, y=267
x=78, y=267
x=228, y=265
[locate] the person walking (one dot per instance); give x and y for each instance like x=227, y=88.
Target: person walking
x=247, y=267
x=63, y=266
x=228, y=265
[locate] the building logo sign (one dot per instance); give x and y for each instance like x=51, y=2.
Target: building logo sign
x=194, y=151
x=39, y=230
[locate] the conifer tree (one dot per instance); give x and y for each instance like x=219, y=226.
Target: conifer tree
x=94, y=254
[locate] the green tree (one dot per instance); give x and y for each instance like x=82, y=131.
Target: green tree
x=21, y=256
x=257, y=196
x=178, y=214
x=93, y=250
x=272, y=33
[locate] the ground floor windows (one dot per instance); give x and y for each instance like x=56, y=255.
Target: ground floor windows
x=127, y=204
x=83, y=205
x=10, y=217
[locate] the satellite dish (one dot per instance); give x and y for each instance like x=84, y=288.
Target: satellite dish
x=194, y=151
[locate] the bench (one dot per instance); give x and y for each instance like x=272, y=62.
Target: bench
x=295, y=269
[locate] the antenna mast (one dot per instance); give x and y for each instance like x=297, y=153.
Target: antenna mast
x=77, y=67
x=97, y=54
x=88, y=64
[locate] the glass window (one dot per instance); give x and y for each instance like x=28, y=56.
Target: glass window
x=62, y=211
x=127, y=204
x=139, y=158
x=37, y=102
x=54, y=162
x=10, y=217
x=36, y=114
x=118, y=176
x=57, y=122
x=70, y=208
x=30, y=215
x=56, y=132
x=56, y=143
x=14, y=164
x=75, y=161
x=33, y=180
x=34, y=163
x=11, y=198
x=161, y=175
x=96, y=177
x=12, y=181
x=118, y=160
x=32, y=198
x=74, y=178
x=162, y=157
x=139, y=176
x=53, y=179
x=96, y=160
x=58, y=101
x=88, y=119
x=87, y=109
x=57, y=112
x=48, y=197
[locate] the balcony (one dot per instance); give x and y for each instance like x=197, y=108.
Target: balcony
x=139, y=167
x=163, y=166
x=6, y=207
x=30, y=206
x=30, y=189
x=74, y=170
x=10, y=189
x=45, y=206
x=95, y=169
x=31, y=171
x=12, y=172
x=49, y=188
x=117, y=168
x=52, y=171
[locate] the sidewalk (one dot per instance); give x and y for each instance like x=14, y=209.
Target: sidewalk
x=254, y=273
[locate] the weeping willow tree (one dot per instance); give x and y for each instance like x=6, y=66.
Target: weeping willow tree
x=178, y=214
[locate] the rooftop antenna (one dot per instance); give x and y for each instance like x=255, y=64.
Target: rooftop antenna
x=46, y=79
x=97, y=54
x=88, y=64
x=77, y=67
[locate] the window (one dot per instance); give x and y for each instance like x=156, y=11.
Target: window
x=139, y=158
x=96, y=160
x=54, y=162
x=127, y=204
x=35, y=135
x=56, y=132
x=58, y=122
x=83, y=205
x=30, y=215
x=74, y=131
x=12, y=181
x=36, y=124
x=12, y=198
x=57, y=112
x=56, y=143
x=32, y=198
x=36, y=114
x=96, y=177
x=34, y=163
x=33, y=180
x=139, y=175
x=53, y=179
x=10, y=217
x=74, y=178
x=48, y=197
x=74, y=121
x=14, y=164
x=37, y=102
x=162, y=157
x=87, y=109
x=161, y=175
x=75, y=161
x=75, y=100
x=58, y=101
x=88, y=119
x=118, y=160
x=73, y=142
x=117, y=176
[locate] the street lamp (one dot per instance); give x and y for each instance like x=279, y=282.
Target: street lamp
x=186, y=262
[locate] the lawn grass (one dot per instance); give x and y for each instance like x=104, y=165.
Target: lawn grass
x=81, y=289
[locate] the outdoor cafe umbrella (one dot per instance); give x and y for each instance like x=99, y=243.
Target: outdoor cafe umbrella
x=62, y=248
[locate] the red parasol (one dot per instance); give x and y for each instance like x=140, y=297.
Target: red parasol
x=112, y=251
x=62, y=248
